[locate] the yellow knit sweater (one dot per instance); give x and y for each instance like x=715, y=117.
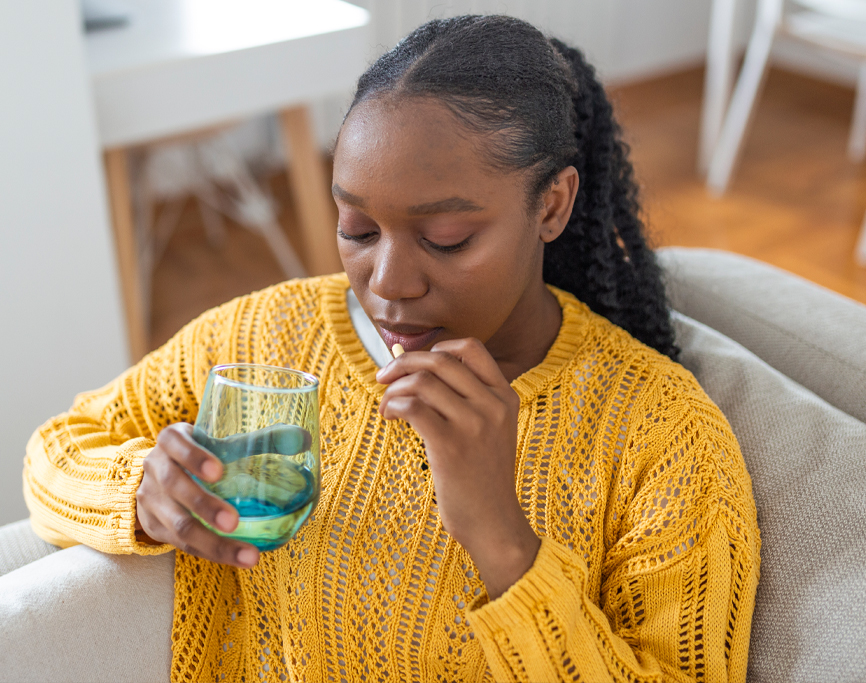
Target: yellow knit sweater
x=629, y=473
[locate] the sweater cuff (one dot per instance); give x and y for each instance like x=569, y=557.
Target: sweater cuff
x=129, y=467
x=542, y=583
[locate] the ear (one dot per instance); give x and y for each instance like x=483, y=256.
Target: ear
x=557, y=203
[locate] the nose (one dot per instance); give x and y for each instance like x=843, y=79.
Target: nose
x=396, y=272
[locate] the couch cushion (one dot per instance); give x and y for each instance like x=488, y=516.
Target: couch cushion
x=807, y=460
x=80, y=615
x=19, y=545
x=813, y=335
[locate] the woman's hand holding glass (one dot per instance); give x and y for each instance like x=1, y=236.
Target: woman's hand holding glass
x=168, y=495
x=457, y=399
x=249, y=468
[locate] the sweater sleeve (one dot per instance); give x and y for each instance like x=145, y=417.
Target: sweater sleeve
x=678, y=582
x=82, y=468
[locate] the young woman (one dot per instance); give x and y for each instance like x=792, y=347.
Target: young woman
x=535, y=491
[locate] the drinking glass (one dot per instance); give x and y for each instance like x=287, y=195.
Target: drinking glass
x=262, y=422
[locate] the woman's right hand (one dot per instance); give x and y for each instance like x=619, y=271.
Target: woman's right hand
x=167, y=495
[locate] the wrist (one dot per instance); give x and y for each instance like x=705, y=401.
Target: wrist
x=504, y=556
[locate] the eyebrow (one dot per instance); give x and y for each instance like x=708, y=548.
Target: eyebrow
x=449, y=205
x=347, y=196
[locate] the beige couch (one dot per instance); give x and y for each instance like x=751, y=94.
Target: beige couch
x=786, y=362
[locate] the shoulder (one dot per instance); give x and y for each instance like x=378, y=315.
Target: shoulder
x=661, y=391
x=674, y=431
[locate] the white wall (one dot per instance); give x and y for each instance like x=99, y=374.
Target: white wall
x=625, y=39
x=60, y=319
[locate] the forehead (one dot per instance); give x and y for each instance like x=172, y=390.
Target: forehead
x=411, y=143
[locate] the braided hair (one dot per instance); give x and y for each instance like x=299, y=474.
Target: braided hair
x=541, y=108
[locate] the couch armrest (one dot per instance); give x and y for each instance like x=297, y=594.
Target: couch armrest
x=80, y=615
x=814, y=336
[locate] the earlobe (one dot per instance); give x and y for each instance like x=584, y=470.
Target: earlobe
x=558, y=203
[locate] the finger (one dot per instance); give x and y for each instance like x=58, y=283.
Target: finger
x=459, y=375
x=145, y=519
x=214, y=510
x=431, y=390
x=474, y=355
x=189, y=535
x=178, y=444
x=166, y=477
x=426, y=421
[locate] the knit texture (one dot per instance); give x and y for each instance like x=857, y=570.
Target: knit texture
x=629, y=473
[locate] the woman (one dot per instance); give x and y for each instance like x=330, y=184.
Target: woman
x=534, y=491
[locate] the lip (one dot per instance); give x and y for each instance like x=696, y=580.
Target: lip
x=410, y=337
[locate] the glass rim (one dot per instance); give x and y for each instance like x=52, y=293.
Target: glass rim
x=313, y=381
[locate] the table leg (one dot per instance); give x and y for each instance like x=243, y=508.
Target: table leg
x=312, y=192
x=129, y=267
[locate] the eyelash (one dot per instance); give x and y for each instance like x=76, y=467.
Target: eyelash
x=444, y=249
x=451, y=248
x=354, y=238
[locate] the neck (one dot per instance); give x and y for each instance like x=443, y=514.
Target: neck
x=528, y=333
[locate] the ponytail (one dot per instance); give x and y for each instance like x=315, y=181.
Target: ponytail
x=602, y=256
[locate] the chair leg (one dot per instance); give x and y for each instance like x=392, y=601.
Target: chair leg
x=718, y=78
x=748, y=84
x=857, y=141
x=860, y=249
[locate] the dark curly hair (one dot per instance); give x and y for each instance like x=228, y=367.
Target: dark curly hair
x=541, y=108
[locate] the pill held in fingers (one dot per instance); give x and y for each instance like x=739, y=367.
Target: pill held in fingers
x=397, y=350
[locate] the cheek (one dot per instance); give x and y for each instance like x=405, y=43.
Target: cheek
x=485, y=291
x=357, y=267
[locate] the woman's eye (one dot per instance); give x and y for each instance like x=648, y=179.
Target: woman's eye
x=450, y=248
x=355, y=238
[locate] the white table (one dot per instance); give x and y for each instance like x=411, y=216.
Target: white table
x=185, y=65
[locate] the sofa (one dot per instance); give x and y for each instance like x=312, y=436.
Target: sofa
x=783, y=358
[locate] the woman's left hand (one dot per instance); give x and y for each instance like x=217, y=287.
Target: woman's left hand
x=457, y=399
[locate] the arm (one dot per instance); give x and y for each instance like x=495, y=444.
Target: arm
x=680, y=577
x=83, y=468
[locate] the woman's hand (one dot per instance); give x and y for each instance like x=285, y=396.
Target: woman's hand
x=457, y=399
x=167, y=495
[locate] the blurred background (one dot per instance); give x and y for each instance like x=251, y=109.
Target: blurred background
x=175, y=154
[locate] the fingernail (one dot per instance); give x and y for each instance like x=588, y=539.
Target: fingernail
x=211, y=470
x=225, y=521
x=247, y=557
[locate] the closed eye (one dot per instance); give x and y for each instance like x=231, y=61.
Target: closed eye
x=449, y=248
x=355, y=238
x=441, y=248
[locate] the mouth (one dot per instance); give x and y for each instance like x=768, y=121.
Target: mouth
x=410, y=337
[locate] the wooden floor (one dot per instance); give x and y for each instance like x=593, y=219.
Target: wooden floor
x=795, y=200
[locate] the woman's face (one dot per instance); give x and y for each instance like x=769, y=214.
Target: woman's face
x=437, y=244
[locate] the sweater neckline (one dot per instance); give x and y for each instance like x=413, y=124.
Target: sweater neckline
x=572, y=332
